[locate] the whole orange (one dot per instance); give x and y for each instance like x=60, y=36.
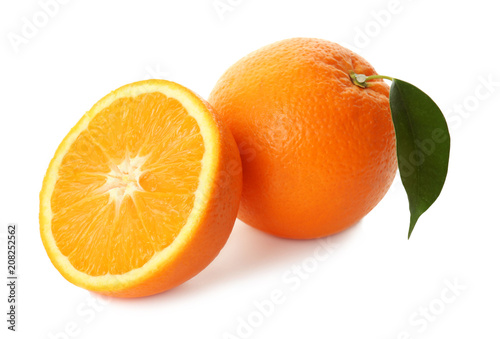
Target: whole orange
x=318, y=152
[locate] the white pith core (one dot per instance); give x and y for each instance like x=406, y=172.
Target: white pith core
x=123, y=179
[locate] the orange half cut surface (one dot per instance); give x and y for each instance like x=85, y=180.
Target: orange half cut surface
x=142, y=193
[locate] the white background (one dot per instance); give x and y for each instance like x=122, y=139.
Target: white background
x=374, y=283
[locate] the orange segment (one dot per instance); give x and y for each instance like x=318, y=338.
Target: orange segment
x=80, y=236
x=133, y=189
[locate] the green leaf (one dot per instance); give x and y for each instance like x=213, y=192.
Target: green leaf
x=423, y=146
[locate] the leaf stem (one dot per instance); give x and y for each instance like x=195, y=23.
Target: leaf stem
x=379, y=77
x=360, y=80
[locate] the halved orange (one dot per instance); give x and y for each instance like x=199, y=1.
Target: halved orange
x=142, y=193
